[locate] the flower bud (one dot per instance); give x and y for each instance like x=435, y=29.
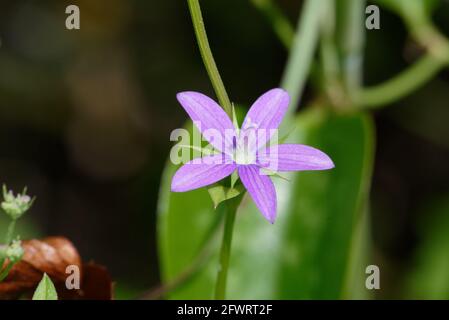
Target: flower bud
x=15, y=206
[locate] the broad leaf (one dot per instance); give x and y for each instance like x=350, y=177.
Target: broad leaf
x=310, y=252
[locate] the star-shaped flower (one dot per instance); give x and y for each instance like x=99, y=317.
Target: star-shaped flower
x=245, y=149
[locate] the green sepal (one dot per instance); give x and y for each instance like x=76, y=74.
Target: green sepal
x=221, y=193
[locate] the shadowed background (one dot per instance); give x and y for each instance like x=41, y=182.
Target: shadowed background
x=86, y=117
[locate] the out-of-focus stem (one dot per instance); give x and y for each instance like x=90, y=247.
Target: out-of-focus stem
x=352, y=45
x=401, y=85
x=277, y=19
x=10, y=232
x=329, y=55
x=301, y=55
x=436, y=58
x=208, y=58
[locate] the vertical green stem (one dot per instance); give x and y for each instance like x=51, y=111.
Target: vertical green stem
x=225, y=252
x=353, y=43
x=10, y=232
x=208, y=58
x=223, y=98
x=301, y=55
x=8, y=239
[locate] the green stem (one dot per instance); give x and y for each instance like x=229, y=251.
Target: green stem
x=329, y=56
x=9, y=236
x=4, y=273
x=353, y=43
x=10, y=232
x=223, y=98
x=301, y=55
x=208, y=58
x=225, y=252
x=401, y=85
x=277, y=19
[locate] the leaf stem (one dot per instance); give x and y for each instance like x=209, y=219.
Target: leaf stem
x=208, y=58
x=225, y=252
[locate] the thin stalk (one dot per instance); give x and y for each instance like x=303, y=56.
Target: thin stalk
x=223, y=98
x=303, y=48
x=436, y=58
x=352, y=45
x=400, y=86
x=208, y=58
x=10, y=232
x=9, y=236
x=281, y=26
x=225, y=252
x=4, y=273
x=329, y=56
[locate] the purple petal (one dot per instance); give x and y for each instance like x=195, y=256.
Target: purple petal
x=261, y=189
x=202, y=172
x=267, y=114
x=294, y=157
x=209, y=118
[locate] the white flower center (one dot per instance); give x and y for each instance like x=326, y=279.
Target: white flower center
x=243, y=156
x=245, y=151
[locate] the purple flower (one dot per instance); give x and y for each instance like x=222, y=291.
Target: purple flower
x=245, y=149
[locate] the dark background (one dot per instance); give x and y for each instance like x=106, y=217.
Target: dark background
x=85, y=118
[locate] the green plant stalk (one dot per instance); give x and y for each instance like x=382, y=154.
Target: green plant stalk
x=277, y=19
x=352, y=49
x=10, y=232
x=303, y=48
x=329, y=56
x=9, y=236
x=352, y=44
x=400, y=86
x=422, y=71
x=208, y=58
x=403, y=84
x=225, y=251
x=4, y=273
x=223, y=98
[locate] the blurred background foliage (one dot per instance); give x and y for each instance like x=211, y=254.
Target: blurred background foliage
x=85, y=123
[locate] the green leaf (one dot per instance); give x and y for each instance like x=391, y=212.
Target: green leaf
x=429, y=276
x=310, y=252
x=45, y=290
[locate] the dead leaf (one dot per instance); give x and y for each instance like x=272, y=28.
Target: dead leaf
x=53, y=255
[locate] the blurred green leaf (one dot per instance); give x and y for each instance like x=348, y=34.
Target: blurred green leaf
x=429, y=278
x=308, y=252
x=45, y=290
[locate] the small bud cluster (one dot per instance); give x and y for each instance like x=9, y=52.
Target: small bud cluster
x=15, y=206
